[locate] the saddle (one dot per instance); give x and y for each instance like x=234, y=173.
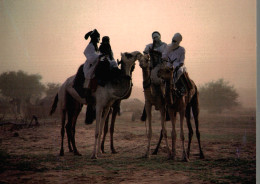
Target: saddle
x=183, y=86
x=79, y=82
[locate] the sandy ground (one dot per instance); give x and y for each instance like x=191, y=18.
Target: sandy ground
x=31, y=155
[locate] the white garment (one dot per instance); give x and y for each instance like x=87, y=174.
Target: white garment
x=113, y=64
x=180, y=71
x=90, y=64
x=175, y=58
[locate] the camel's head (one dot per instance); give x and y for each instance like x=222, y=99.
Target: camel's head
x=144, y=61
x=128, y=61
x=165, y=72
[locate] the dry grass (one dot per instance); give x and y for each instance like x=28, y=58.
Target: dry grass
x=228, y=141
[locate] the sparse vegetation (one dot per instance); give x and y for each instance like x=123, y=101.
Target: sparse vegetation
x=217, y=96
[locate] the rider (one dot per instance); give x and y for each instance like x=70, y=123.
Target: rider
x=174, y=54
x=155, y=49
x=107, y=64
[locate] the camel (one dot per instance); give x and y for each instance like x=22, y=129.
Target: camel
x=153, y=92
x=70, y=107
x=183, y=105
x=74, y=112
x=105, y=97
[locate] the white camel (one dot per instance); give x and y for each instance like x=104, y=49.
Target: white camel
x=104, y=98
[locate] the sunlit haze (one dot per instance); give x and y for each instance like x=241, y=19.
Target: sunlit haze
x=47, y=37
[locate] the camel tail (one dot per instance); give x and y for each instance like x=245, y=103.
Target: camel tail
x=54, y=105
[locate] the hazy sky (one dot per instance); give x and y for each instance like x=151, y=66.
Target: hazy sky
x=47, y=36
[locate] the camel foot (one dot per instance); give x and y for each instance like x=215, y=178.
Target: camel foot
x=62, y=152
x=114, y=151
x=94, y=156
x=202, y=155
x=102, y=148
x=70, y=149
x=77, y=153
x=146, y=155
x=171, y=157
x=155, y=152
x=185, y=158
x=99, y=154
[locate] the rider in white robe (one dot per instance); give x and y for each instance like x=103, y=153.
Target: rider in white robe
x=174, y=54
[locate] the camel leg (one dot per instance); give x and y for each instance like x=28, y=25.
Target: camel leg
x=69, y=134
x=164, y=131
x=184, y=155
x=105, y=133
x=74, y=121
x=97, y=131
x=158, y=144
x=187, y=115
x=70, y=112
x=172, y=115
x=195, y=111
x=148, y=109
x=112, y=127
x=103, y=119
x=63, y=119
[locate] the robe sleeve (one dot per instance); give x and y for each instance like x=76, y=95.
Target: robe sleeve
x=91, y=53
x=182, y=56
x=146, y=50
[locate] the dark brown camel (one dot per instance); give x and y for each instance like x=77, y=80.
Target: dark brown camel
x=183, y=105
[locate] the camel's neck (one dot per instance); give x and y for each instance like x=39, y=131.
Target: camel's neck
x=146, y=78
x=146, y=74
x=122, y=90
x=168, y=91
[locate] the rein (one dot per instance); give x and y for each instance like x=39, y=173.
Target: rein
x=128, y=90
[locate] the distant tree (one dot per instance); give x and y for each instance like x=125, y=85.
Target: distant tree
x=20, y=86
x=51, y=89
x=218, y=95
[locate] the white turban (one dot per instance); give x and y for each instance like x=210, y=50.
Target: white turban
x=176, y=39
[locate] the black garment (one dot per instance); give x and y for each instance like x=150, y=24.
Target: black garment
x=90, y=115
x=102, y=72
x=79, y=82
x=105, y=49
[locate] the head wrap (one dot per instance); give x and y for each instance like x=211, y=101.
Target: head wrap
x=105, y=39
x=92, y=34
x=105, y=47
x=156, y=33
x=176, y=39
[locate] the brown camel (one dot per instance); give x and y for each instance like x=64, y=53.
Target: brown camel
x=105, y=97
x=183, y=105
x=153, y=92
